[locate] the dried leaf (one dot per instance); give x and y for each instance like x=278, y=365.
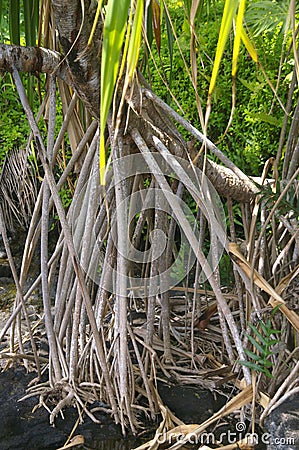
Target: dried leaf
x=275, y=298
x=156, y=15
x=77, y=440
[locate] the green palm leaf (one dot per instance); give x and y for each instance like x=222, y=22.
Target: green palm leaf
x=113, y=38
x=135, y=40
x=229, y=12
x=237, y=41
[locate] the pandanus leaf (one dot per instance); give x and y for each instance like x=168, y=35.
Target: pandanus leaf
x=135, y=40
x=237, y=41
x=113, y=38
x=229, y=13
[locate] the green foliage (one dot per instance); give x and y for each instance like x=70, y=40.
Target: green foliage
x=113, y=40
x=66, y=196
x=178, y=269
x=19, y=25
x=31, y=19
x=19, y=21
x=13, y=124
x=267, y=15
x=254, y=133
x=14, y=21
x=263, y=339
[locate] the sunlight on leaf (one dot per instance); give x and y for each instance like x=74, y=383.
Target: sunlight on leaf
x=113, y=37
x=229, y=12
x=130, y=57
x=249, y=45
x=135, y=40
x=237, y=41
x=95, y=22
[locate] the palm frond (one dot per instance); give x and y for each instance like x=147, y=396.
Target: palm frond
x=266, y=16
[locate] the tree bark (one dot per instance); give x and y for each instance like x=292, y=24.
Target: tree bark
x=74, y=27
x=34, y=60
x=227, y=184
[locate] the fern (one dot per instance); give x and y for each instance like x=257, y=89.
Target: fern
x=262, y=338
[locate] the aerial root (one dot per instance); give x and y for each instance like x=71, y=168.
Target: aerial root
x=66, y=401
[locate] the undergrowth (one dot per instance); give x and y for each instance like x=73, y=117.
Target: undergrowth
x=254, y=133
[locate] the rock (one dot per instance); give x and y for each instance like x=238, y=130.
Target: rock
x=22, y=429
x=5, y=271
x=191, y=404
x=7, y=293
x=282, y=426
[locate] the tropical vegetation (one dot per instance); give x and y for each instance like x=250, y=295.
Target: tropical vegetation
x=161, y=142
